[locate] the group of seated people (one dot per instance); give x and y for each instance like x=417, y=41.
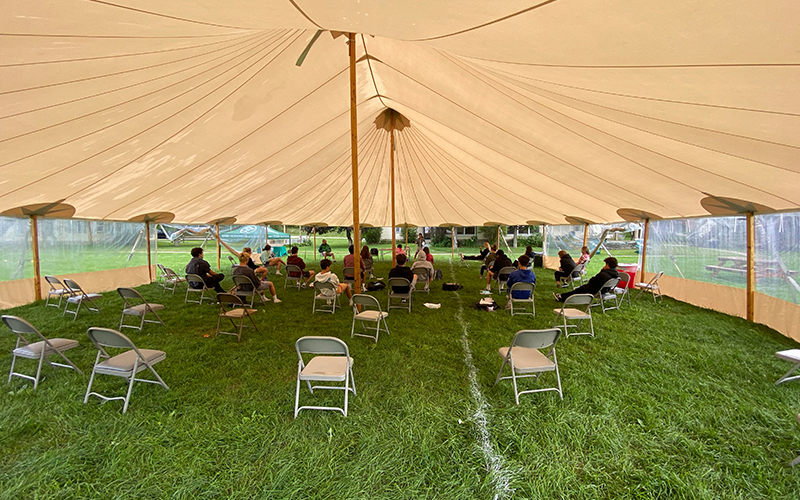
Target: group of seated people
x=567, y=266
x=596, y=282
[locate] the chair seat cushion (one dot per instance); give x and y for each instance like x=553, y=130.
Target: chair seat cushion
x=34, y=350
x=79, y=298
x=123, y=363
x=141, y=309
x=60, y=291
x=527, y=360
x=332, y=368
x=790, y=355
x=572, y=313
x=371, y=315
x=238, y=313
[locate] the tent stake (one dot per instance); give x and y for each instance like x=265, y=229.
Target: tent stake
x=644, y=250
x=37, y=279
x=351, y=43
x=751, y=265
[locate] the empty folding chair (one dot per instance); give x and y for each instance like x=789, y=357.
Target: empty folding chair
x=293, y=274
x=79, y=298
x=797, y=459
x=196, y=281
x=423, y=280
x=621, y=290
x=566, y=314
x=126, y=364
x=792, y=355
x=38, y=350
x=331, y=362
x=228, y=310
x=325, y=294
x=246, y=291
x=57, y=289
x=522, y=304
x=173, y=280
x=525, y=359
x=162, y=276
x=370, y=313
x=502, y=277
x=402, y=300
x=136, y=305
x=606, y=294
x=652, y=287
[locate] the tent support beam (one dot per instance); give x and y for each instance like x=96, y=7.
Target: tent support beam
x=37, y=278
x=391, y=170
x=751, y=265
x=219, y=248
x=351, y=43
x=149, y=260
x=544, y=243
x=585, y=234
x=453, y=243
x=644, y=249
x=315, y=240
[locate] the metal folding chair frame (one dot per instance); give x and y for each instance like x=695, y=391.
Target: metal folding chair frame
x=194, y=278
x=130, y=293
x=370, y=305
x=534, y=340
x=322, y=347
x=241, y=313
x=562, y=314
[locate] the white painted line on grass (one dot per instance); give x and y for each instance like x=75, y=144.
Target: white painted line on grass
x=500, y=475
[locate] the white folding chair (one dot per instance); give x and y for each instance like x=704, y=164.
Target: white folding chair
x=576, y=276
x=796, y=460
x=566, y=314
x=57, y=289
x=527, y=361
x=792, y=355
x=173, y=280
x=606, y=294
x=162, y=276
x=652, y=287
x=246, y=291
x=136, y=305
x=331, y=363
x=370, y=313
x=79, y=298
x=401, y=299
x=423, y=278
x=126, y=364
x=523, y=303
x=194, y=280
x=325, y=293
x=228, y=310
x=293, y=274
x=502, y=277
x=36, y=350
x=349, y=276
x=621, y=290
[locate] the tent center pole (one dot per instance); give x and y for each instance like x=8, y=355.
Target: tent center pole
x=351, y=43
x=219, y=248
x=37, y=278
x=585, y=234
x=751, y=265
x=391, y=170
x=149, y=260
x=644, y=250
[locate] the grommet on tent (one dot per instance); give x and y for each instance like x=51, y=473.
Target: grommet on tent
x=719, y=205
x=580, y=221
x=635, y=215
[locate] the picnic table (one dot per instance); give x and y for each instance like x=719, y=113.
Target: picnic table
x=764, y=268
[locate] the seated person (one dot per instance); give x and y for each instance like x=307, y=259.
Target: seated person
x=521, y=275
x=481, y=256
x=260, y=285
x=269, y=259
x=295, y=260
x=399, y=250
x=326, y=276
x=366, y=259
x=202, y=268
x=530, y=253
x=350, y=260
x=489, y=259
x=325, y=251
x=401, y=271
x=597, y=281
x=428, y=255
x=422, y=263
x=499, y=263
x=565, y=270
x=585, y=257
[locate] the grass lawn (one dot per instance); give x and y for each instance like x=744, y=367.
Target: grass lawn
x=668, y=401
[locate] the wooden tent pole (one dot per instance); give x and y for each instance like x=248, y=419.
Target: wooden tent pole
x=544, y=243
x=37, y=278
x=391, y=170
x=149, y=261
x=498, y=237
x=315, y=240
x=351, y=43
x=644, y=249
x=751, y=265
x=585, y=234
x=219, y=248
x=453, y=243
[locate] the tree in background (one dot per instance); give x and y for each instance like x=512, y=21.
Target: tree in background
x=372, y=235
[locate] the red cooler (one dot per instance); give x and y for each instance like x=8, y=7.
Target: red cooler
x=631, y=270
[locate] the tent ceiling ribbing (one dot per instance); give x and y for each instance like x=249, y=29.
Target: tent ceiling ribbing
x=509, y=111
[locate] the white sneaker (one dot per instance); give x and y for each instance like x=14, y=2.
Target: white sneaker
x=488, y=288
x=276, y=300
x=351, y=303
x=278, y=273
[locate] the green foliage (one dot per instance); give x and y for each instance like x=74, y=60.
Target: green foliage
x=489, y=233
x=534, y=240
x=440, y=237
x=372, y=235
x=469, y=242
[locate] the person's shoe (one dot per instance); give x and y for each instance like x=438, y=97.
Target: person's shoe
x=461, y=255
x=557, y=296
x=351, y=303
x=425, y=289
x=488, y=288
x=278, y=273
x=303, y=285
x=276, y=300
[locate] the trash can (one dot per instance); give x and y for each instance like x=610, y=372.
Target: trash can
x=631, y=270
x=538, y=261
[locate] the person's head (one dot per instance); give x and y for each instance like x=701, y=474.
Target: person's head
x=611, y=262
x=197, y=252
x=562, y=253
x=524, y=261
x=247, y=250
x=421, y=257
x=244, y=258
x=528, y=249
x=426, y=250
x=400, y=246
x=494, y=248
x=585, y=250
x=350, y=249
x=401, y=260
x=485, y=244
x=294, y=250
x=365, y=252
x=420, y=236
x=267, y=247
x=500, y=253
x=325, y=264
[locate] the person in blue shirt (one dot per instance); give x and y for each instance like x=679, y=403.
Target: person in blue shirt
x=521, y=275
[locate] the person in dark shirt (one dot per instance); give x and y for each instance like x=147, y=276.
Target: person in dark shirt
x=521, y=275
x=295, y=260
x=480, y=256
x=499, y=263
x=260, y=285
x=401, y=271
x=567, y=267
x=597, y=281
x=202, y=268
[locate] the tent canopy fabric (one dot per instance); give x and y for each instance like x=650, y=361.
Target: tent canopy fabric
x=502, y=111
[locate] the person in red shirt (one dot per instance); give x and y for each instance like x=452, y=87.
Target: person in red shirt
x=295, y=260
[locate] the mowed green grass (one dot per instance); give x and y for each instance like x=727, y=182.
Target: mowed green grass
x=668, y=401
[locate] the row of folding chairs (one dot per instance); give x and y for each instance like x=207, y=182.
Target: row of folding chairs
x=70, y=294
x=126, y=364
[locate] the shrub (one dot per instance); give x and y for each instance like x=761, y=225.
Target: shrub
x=534, y=240
x=470, y=242
x=372, y=235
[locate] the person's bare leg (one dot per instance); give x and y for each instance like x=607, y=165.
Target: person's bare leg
x=310, y=277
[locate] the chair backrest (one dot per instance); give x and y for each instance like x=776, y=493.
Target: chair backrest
x=398, y=282
x=655, y=279
x=228, y=298
x=502, y=275
x=581, y=299
x=194, y=278
x=232, y=261
x=536, y=339
x=422, y=273
x=610, y=284
x=106, y=337
x=325, y=285
x=130, y=293
x=320, y=345
x=20, y=326
x=349, y=273
x=243, y=283
x=373, y=251
x=53, y=281
x=522, y=286
x=579, y=269
x=362, y=299
x=170, y=273
x=73, y=286
x=293, y=271
x=161, y=268
x=624, y=278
